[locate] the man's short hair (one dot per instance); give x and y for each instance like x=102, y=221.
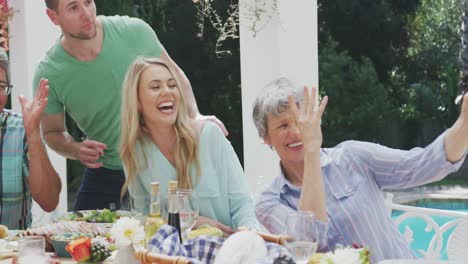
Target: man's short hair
x=52, y=4
x=5, y=64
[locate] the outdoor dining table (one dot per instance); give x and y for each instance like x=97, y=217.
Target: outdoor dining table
x=273, y=246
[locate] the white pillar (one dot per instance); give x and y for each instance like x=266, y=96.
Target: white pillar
x=285, y=47
x=31, y=35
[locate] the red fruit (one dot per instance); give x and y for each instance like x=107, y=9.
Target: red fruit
x=80, y=249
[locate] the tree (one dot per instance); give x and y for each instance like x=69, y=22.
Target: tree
x=426, y=81
x=373, y=29
x=358, y=106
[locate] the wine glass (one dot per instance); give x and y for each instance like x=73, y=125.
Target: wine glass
x=137, y=207
x=303, y=233
x=188, y=210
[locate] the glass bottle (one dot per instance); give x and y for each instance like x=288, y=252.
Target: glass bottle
x=173, y=210
x=154, y=220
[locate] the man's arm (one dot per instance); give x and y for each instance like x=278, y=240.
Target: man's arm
x=44, y=182
x=456, y=140
x=57, y=138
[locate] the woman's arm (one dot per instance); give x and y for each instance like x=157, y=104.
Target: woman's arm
x=309, y=123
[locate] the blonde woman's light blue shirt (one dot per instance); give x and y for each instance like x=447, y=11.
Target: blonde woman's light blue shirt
x=222, y=186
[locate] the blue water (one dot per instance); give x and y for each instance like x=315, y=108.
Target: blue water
x=420, y=236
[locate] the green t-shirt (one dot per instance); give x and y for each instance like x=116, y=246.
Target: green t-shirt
x=90, y=92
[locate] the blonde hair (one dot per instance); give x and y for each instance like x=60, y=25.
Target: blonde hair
x=133, y=128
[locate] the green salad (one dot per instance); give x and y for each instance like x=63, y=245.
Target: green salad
x=95, y=216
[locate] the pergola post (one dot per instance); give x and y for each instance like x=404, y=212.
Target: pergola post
x=286, y=47
x=31, y=34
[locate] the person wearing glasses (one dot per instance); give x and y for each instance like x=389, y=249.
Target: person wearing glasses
x=26, y=171
x=343, y=185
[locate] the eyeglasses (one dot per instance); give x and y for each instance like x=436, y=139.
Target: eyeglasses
x=5, y=88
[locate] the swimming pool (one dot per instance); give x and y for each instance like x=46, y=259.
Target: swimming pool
x=423, y=238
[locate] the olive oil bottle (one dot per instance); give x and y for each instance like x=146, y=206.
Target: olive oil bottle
x=154, y=221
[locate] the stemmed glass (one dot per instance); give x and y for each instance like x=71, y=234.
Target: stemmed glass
x=137, y=207
x=188, y=210
x=303, y=233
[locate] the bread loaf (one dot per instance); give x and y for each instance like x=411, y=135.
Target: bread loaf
x=3, y=231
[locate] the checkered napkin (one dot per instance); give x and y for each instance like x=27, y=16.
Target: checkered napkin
x=203, y=249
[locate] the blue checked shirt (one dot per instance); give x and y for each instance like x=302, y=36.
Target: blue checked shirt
x=354, y=175
x=15, y=198
x=203, y=249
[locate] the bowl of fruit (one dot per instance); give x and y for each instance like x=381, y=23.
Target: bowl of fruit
x=90, y=250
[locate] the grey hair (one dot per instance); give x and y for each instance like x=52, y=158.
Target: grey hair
x=273, y=100
x=5, y=64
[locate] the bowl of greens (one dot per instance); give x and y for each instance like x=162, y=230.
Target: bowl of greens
x=96, y=216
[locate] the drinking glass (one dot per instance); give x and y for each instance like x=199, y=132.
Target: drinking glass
x=188, y=210
x=137, y=207
x=31, y=249
x=303, y=233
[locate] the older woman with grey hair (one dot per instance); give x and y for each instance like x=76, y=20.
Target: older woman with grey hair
x=343, y=185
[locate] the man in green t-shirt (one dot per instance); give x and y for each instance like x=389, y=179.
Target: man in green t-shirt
x=85, y=69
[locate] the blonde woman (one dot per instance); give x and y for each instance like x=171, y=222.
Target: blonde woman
x=161, y=143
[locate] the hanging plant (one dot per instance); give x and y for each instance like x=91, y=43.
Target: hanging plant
x=227, y=29
x=6, y=14
x=257, y=12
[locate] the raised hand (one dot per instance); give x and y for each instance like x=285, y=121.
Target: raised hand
x=464, y=109
x=32, y=111
x=309, y=120
x=456, y=139
x=89, y=152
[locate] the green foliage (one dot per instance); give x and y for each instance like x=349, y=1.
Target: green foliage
x=374, y=29
x=434, y=41
x=413, y=46
x=426, y=82
x=113, y=7
x=358, y=106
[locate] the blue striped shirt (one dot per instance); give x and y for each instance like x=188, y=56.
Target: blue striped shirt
x=15, y=198
x=354, y=175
